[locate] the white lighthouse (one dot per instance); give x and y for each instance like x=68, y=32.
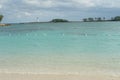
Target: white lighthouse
x=37, y=19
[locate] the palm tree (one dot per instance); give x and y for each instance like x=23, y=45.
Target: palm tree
x=1, y=17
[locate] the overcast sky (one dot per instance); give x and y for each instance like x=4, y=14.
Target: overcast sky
x=28, y=10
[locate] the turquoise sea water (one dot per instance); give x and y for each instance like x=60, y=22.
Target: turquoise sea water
x=60, y=47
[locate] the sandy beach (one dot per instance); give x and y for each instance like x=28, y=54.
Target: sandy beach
x=15, y=76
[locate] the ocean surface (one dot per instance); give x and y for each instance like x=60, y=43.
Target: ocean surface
x=61, y=48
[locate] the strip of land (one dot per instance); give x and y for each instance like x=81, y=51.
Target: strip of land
x=4, y=24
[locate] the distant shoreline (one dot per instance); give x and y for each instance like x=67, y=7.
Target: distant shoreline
x=63, y=22
x=8, y=24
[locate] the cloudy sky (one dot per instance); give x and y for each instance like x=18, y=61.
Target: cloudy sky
x=28, y=10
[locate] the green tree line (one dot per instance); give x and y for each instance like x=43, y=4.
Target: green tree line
x=117, y=18
x=59, y=20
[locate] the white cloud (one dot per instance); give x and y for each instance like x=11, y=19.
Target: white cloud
x=27, y=13
x=64, y=3
x=0, y=6
x=46, y=9
x=109, y=3
x=39, y=3
x=73, y=3
x=84, y=3
x=98, y=3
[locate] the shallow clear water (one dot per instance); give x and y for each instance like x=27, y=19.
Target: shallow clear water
x=60, y=47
